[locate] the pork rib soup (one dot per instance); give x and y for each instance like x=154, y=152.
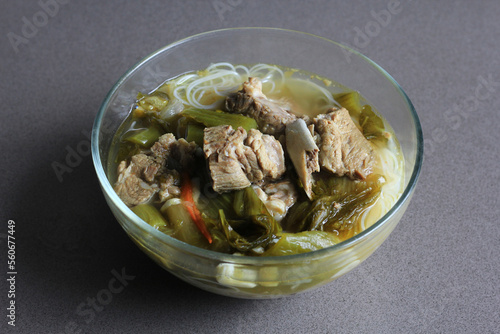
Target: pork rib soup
x=256, y=160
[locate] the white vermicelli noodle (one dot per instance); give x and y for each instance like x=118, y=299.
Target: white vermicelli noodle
x=218, y=80
x=390, y=166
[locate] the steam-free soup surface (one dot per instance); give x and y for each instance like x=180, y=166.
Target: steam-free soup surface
x=257, y=160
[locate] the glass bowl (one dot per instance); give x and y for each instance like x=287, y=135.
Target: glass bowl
x=259, y=277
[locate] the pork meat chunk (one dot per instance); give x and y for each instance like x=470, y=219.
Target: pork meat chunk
x=178, y=154
x=222, y=146
x=131, y=186
x=278, y=197
x=271, y=116
x=269, y=154
x=154, y=171
x=237, y=159
x=343, y=148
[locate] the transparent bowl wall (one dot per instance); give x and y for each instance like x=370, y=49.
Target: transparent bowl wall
x=248, y=277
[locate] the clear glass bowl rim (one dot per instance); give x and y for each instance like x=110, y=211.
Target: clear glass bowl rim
x=222, y=257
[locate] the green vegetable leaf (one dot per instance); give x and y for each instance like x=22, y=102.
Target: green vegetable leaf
x=182, y=225
x=212, y=118
x=155, y=101
x=337, y=205
x=372, y=125
x=150, y=215
x=302, y=242
x=146, y=137
x=252, y=226
x=351, y=101
x=194, y=133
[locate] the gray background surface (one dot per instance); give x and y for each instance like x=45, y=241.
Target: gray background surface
x=437, y=273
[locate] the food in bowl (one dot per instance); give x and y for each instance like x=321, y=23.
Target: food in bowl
x=257, y=160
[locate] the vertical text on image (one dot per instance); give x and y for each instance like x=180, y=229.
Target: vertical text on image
x=11, y=273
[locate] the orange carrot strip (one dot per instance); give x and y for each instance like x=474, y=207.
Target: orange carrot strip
x=187, y=198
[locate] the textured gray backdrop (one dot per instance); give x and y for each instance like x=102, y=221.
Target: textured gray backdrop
x=437, y=273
